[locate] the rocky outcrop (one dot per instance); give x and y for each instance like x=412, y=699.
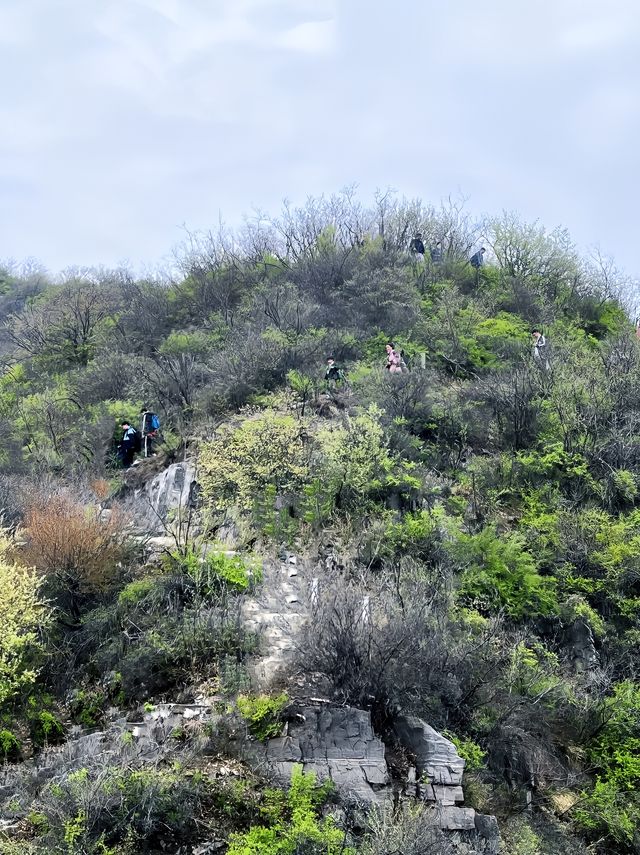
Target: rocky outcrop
x=157, y=500
x=154, y=735
x=338, y=744
x=438, y=779
x=583, y=649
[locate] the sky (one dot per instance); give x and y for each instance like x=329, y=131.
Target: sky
x=126, y=121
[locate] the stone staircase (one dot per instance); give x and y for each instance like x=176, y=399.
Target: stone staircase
x=277, y=613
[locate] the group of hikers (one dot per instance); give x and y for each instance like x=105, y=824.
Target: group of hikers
x=396, y=362
x=136, y=441
x=436, y=252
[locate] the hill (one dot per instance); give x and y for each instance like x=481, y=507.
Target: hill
x=424, y=561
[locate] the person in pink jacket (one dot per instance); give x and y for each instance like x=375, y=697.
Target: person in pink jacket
x=394, y=360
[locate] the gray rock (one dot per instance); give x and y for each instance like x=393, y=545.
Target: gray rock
x=336, y=743
x=457, y=819
x=436, y=757
x=169, y=490
x=487, y=829
x=583, y=648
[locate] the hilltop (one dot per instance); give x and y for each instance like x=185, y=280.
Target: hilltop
x=381, y=577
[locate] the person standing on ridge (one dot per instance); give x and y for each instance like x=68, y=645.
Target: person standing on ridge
x=540, y=350
x=150, y=429
x=416, y=248
x=477, y=259
x=394, y=360
x=129, y=444
x=333, y=374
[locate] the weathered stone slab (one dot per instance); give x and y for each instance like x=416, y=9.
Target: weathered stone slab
x=457, y=819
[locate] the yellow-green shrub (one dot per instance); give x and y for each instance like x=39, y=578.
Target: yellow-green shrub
x=23, y=613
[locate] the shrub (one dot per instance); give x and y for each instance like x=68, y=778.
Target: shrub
x=266, y=449
x=409, y=830
x=135, y=592
x=87, y=707
x=10, y=747
x=22, y=614
x=292, y=823
x=217, y=573
x=262, y=714
x=499, y=573
x=613, y=805
x=45, y=727
x=77, y=551
x=473, y=755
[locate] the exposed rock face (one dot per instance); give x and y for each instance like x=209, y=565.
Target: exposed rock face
x=439, y=770
x=337, y=743
x=437, y=759
x=168, y=491
x=150, y=741
x=583, y=648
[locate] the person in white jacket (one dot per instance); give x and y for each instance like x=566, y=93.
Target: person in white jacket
x=540, y=350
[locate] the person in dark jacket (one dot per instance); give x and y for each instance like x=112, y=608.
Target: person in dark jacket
x=333, y=374
x=128, y=444
x=477, y=259
x=416, y=248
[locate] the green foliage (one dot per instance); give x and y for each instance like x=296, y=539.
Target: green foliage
x=418, y=534
x=231, y=571
x=613, y=805
x=10, y=747
x=292, y=823
x=135, y=592
x=87, y=707
x=23, y=614
x=356, y=460
x=45, y=727
x=265, y=450
x=263, y=714
x=499, y=573
x=473, y=755
x=216, y=572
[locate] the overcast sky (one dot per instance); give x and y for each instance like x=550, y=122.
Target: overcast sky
x=122, y=120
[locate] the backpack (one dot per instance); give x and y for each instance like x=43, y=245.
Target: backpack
x=155, y=422
x=137, y=440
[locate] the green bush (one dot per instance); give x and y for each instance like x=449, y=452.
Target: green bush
x=266, y=449
x=612, y=806
x=499, y=573
x=135, y=592
x=473, y=755
x=86, y=707
x=292, y=823
x=262, y=714
x=10, y=747
x=45, y=727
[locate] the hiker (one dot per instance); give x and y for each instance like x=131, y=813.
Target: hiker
x=540, y=350
x=477, y=259
x=437, y=254
x=129, y=445
x=333, y=374
x=416, y=248
x=394, y=360
x=150, y=429
x=638, y=329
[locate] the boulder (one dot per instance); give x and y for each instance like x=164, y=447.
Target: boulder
x=337, y=744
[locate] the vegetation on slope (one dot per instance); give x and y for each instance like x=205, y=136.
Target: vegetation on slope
x=489, y=509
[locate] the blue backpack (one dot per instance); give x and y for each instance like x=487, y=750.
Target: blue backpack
x=155, y=422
